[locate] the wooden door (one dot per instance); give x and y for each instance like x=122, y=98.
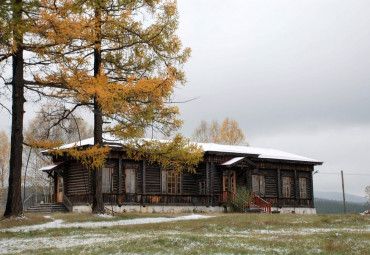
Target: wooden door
x=229, y=181
x=60, y=189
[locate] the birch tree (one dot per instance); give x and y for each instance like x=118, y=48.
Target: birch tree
x=48, y=126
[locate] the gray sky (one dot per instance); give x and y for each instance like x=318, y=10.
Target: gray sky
x=294, y=74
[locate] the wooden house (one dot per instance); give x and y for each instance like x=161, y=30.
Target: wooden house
x=279, y=181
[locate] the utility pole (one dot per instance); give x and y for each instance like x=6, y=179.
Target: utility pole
x=344, y=197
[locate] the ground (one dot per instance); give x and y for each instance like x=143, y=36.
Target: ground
x=186, y=234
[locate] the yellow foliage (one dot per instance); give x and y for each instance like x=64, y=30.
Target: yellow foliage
x=93, y=157
x=228, y=133
x=141, y=63
x=178, y=153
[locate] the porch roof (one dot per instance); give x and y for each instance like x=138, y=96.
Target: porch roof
x=231, y=161
x=51, y=167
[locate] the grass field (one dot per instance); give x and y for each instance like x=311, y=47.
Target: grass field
x=221, y=234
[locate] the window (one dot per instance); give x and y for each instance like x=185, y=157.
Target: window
x=258, y=185
x=107, y=179
x=202, y=187
x=130, y=181
x=171, y=182
x=286, y=186
x=303, y=187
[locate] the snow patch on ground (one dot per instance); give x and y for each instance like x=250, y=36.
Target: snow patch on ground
x=15, y=245
x=307, y=231
x=105, y=216
x=62, y=224
x=23, y=245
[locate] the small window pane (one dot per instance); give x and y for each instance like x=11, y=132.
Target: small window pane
x=303, y=188
x=255, y=184
x=286, y=186
x=171, y=182
x=107, y=179
x=202, y=187
x=130, y=181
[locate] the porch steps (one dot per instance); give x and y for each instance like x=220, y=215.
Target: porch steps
x=46, y=208
x=253, y=208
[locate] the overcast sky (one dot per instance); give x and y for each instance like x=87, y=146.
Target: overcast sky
x=294, y=74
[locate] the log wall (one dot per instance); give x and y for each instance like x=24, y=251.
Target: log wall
x=78, y=181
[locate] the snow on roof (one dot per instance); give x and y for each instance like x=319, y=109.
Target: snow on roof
x=231, y=161
x=50, y=167
x=262, y=153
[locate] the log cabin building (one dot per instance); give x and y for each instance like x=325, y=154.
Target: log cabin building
x=279, y=181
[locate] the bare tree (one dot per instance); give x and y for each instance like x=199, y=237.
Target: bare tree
x=48, y=126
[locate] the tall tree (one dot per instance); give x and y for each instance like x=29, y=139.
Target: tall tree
x=228, y=133
x=11, y=11
x=136, y=61
x=18, y=20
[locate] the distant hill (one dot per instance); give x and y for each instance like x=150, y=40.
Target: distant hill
x=336, y=207
x=339, y=197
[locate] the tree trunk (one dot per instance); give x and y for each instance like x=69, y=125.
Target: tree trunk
x=98, y=203
x=14, y=205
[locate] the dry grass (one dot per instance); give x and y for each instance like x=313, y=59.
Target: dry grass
x=224, y=234
x=28, y=219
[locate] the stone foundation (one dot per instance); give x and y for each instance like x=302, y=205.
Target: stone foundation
x=154, y=209
x=185, y=209
x=296, y=210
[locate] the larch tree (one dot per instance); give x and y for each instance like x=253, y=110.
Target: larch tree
x=12, y=29
x=123, y=61
x=228, y=133
x=18, y=24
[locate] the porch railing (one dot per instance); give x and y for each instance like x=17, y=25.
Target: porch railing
x=35, y=199
x=238, y=203
x=67, y=203
x=263, y=204
x=243, y=205
x=46, y=199
x=30, y=201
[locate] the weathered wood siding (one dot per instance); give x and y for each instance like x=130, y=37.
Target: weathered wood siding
x=153, y=179
x=77, y=179
x=189, y=184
